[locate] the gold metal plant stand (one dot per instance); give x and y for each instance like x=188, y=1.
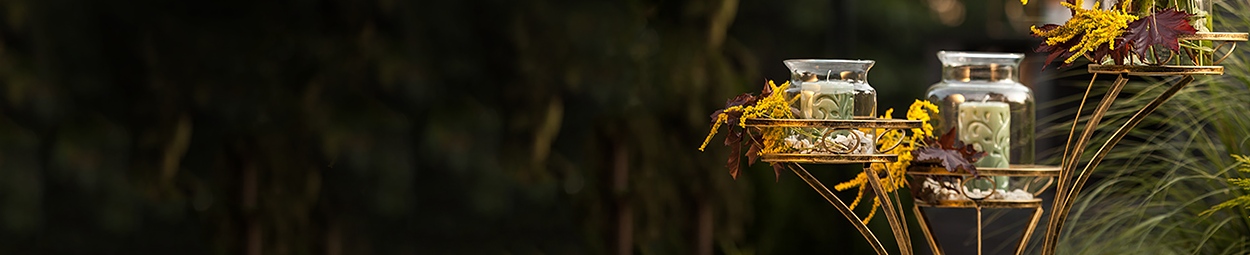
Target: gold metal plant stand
x=1070, y=180
x=1038, y=172
x=793, y=161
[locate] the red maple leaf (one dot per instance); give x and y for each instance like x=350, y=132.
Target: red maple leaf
x=951, y=152
x=734, y=140
x=1160, y=28
x=1119, y=54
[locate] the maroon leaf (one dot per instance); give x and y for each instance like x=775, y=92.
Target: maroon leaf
x=952, y=160
x=716, y=115
x=753, y=153
x=1160, y=28
x=733, y=139
x=734, y=163
x=745, y=99
x=767, y=91
x=951, y=152
x=777, y=170
x=734, y=136
x=1119, y=54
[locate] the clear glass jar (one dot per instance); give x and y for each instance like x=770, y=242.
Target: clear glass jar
x=832, y=88
x=980, y=96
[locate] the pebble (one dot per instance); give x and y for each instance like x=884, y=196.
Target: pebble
x=839, y=144
x=942, y=193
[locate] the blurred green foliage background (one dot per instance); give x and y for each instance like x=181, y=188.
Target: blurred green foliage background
x=431, y=127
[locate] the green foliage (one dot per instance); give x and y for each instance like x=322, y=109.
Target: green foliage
x=1241, y=201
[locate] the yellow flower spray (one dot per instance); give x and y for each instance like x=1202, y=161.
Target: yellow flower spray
x=775, y=105
x=895, y=171
x=1096, y=26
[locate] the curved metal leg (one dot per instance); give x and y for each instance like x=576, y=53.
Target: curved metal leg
x=1068, y=188
x=1028, y=232
x=837, y=203
x=1120, y=133
x=903, y=216
x=923, y=219
x=891, y=215
x=1070, y=160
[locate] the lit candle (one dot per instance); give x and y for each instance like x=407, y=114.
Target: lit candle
x=827, y=100
x=985, y=126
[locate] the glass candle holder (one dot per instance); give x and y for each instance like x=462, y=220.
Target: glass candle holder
x=980, y=97
x=832, y=88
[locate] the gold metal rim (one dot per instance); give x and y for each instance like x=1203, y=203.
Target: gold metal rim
x=853, y=123
x=986, y=203
x=1216, y=36
x=1012, y=170
x=1161, y=70
x=828, y=158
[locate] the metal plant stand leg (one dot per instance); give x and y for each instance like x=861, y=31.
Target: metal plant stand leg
x=837, y=203
x=1071, y=181
x=891, y=215
x=979, y=227
x=903, y=217
x=1028, y=232
x=1070, y=160
x=923, y=219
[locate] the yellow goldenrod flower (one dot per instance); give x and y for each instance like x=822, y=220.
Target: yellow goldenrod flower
x=775, y=105
x=715, y=126
x=1096, y=27
x=895, y=171
x=920, y=110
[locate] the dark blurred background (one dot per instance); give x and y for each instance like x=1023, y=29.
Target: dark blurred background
x=439, y=127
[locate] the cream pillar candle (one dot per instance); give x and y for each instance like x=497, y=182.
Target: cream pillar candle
x=986, y=127
x=833, y=100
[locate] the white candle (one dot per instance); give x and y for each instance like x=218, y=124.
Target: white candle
x=832, y=99
x=986, y=127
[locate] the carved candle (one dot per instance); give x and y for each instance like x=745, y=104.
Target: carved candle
x=986, y=127
x=827, y=100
